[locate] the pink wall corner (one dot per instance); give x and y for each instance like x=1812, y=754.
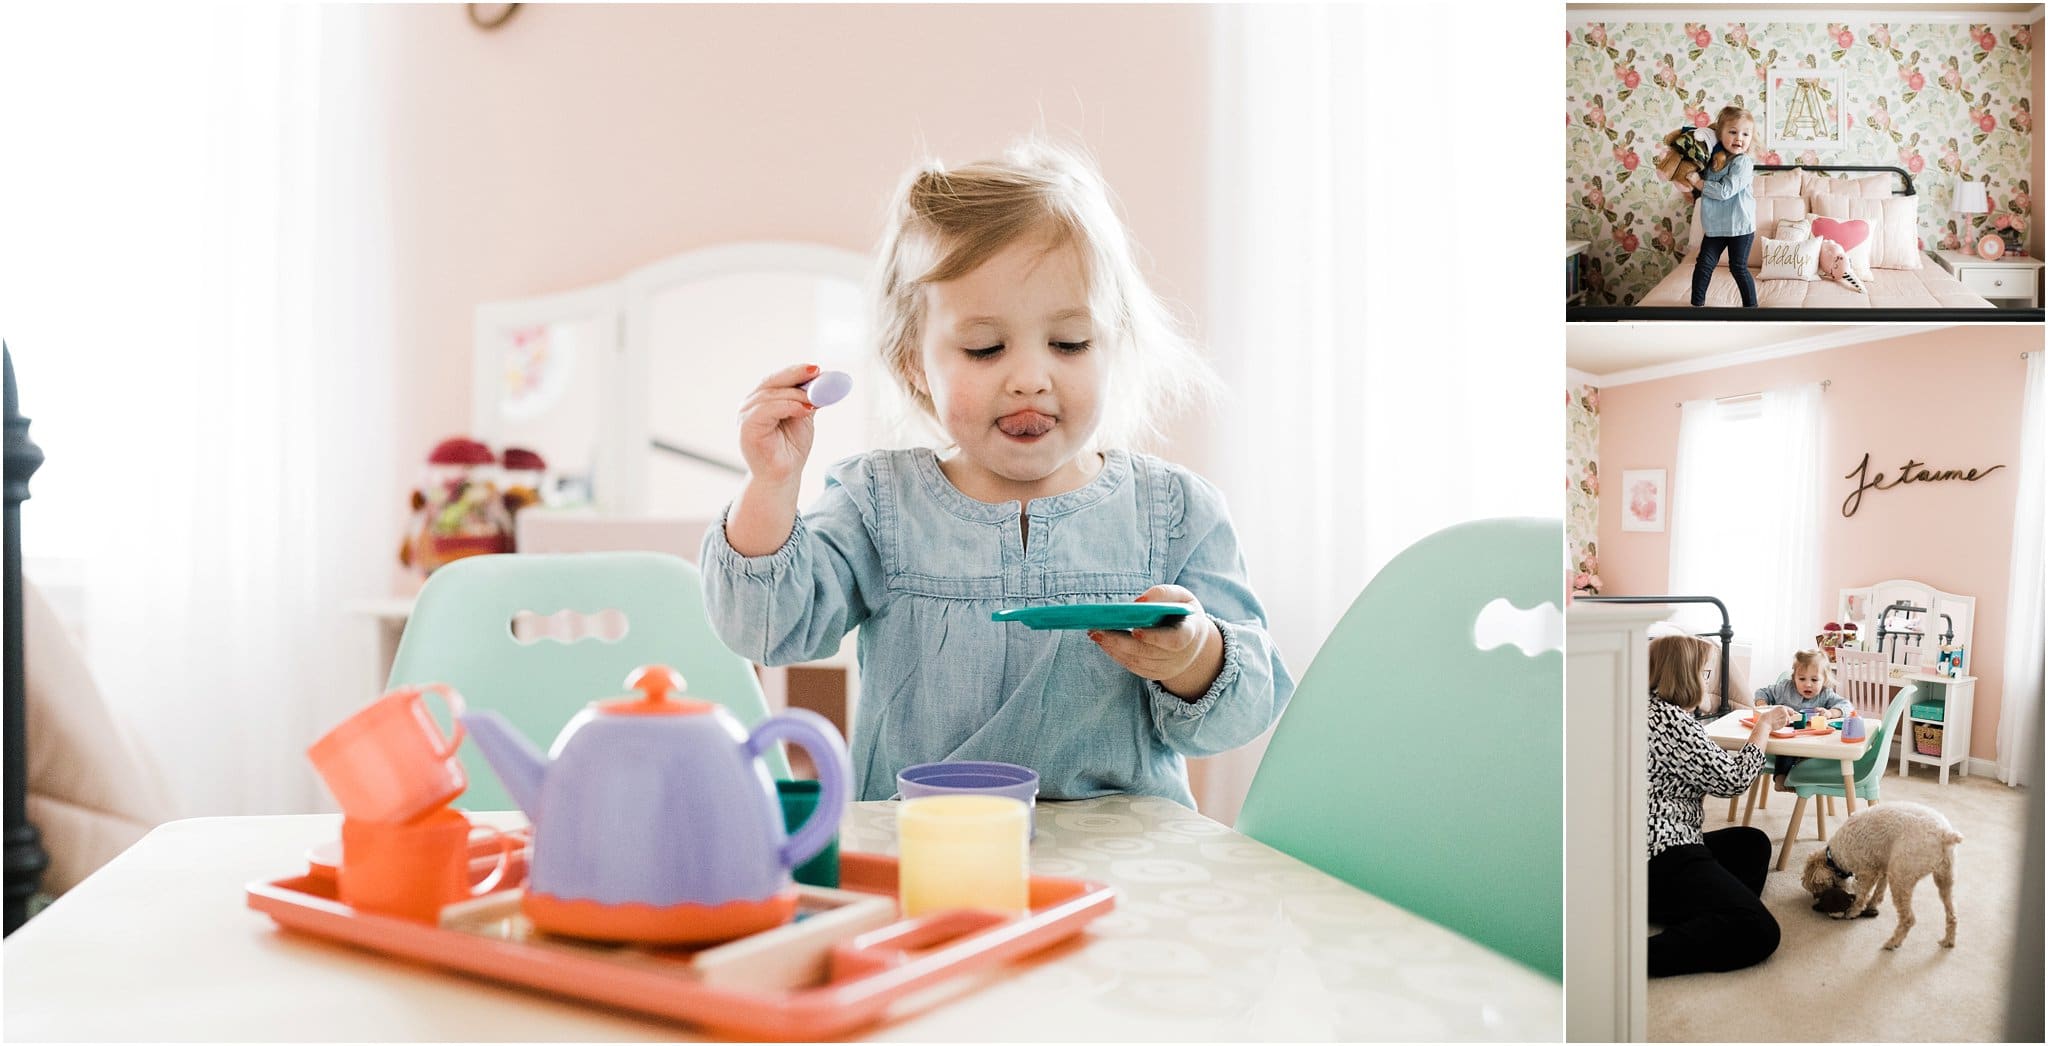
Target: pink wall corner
x=1951, y=398
x=579, y=142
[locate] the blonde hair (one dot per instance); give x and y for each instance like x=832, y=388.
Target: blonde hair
x=1815, y=659
x=1675, y=666
x=945, y=223
x=1729, y=114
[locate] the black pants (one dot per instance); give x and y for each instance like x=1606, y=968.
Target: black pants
x=1738, y=265
x=1709, y=901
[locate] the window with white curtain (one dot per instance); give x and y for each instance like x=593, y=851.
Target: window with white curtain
x=1745, y=520
x=194, y=283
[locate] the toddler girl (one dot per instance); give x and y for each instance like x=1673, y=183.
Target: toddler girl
x=1727, y=209
x=1012, y=316
x=1811, y=686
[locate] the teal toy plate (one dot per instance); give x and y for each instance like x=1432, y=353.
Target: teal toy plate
x=1107, y=616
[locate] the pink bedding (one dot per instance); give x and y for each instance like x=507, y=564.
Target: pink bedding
x=1928, y=287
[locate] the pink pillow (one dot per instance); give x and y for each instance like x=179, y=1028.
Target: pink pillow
x=1847, y=233
x=1776, y=183
x=1875, y=186
x=1853, y=235
x=1894, y=226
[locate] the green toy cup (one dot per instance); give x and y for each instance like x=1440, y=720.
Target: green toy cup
x=799, y=799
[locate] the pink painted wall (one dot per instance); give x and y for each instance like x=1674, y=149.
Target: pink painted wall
x=579, y=142
x=1950, y=398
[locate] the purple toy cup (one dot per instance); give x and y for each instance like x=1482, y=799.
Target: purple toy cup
x=972, y=778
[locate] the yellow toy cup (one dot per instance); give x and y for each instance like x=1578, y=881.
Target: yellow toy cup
x=963, y=851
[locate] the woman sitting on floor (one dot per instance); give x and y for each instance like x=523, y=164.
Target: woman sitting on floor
x=1705, y=890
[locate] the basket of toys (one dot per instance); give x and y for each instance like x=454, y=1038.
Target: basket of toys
x=1927, y=738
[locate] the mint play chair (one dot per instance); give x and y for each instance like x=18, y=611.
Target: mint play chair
x=460, y=633
x=1823, y=777
x=1420, y=768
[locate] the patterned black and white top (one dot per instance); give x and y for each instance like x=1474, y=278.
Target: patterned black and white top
x=1685, y=766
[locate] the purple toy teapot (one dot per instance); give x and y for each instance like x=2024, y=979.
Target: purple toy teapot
x=656, y=819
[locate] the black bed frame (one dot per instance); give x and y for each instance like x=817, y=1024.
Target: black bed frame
x=1612, y=313
x=1726, y=633
x=25, y=858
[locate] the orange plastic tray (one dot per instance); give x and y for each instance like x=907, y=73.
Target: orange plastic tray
x=866, y=974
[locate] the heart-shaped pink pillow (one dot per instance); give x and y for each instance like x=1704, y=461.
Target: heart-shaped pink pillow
x=1848, y=233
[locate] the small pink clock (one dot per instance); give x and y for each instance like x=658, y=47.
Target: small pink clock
x=1991, y=247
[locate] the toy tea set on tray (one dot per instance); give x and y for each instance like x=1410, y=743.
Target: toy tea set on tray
x=657, y=872
x=1813, y=722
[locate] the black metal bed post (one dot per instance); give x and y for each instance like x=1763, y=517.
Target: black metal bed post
x=24, y=846
x=1726, y=633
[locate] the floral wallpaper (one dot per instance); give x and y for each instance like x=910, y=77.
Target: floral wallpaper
x=1942, y=101
x=1582, y=488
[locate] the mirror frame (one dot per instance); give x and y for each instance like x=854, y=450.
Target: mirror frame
x=633, y=426
x=623, y=310
x=1935, y=599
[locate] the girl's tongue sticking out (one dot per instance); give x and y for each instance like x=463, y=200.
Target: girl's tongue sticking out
x=1025, y=424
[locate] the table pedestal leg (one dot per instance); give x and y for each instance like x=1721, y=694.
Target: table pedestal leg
x=1761, y=785
x=1849, y=787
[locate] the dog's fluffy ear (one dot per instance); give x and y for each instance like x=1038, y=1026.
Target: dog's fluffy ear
x=1817, y=878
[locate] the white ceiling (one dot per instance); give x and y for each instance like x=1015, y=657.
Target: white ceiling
x=1609, y=354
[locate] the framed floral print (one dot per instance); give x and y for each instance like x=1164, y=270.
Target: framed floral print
x=1642, y=500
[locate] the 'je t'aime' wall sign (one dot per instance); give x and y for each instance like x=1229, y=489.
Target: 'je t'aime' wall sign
x=1911, y=472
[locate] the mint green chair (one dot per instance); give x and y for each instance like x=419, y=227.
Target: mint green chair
x=1823, y=777
x=1420, y=768
x=460, y=633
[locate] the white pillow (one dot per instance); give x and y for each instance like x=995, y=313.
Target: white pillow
x=1894, y=227
x=1791, y=259
x=1794, y=229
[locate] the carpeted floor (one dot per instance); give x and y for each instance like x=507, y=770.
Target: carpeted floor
x=1830, y=981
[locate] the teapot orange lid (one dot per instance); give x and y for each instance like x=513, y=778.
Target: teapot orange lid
x=655, y=683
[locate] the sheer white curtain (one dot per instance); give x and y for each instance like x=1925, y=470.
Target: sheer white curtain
x=2019, y=712
x=1368, y=404
x=194, y=284
x=1745, y=519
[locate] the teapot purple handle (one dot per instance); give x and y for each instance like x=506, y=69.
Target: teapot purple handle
x=816, y=735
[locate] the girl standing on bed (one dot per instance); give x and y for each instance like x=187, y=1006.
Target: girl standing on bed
x=1727, y=209
x=1014, y=318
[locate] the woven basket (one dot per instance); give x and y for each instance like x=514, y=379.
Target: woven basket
x=1927, y=738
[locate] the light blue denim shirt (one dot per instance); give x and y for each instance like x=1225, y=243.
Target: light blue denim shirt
x=1727, y=207
x=894, y=548
x=1783, y=692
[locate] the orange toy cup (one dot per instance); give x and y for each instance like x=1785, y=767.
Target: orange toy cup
x=412, y=868
x=389, y=761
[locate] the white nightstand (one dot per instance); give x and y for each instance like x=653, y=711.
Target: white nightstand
x=2011, y=282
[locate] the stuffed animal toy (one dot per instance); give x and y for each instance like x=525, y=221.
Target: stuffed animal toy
x=1691, y=149
x=1834, y=265
x=1835, y=899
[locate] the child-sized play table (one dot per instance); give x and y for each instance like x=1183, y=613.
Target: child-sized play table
x=1214, y=936
x=1728, y=732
